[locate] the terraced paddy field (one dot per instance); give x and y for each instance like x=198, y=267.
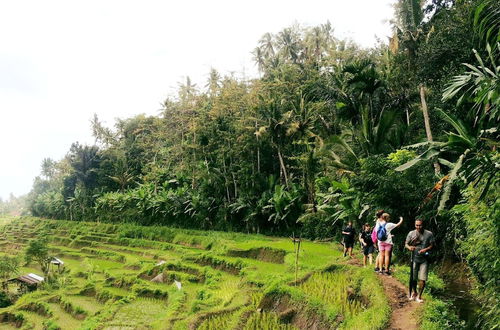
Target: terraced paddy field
x=133, y=277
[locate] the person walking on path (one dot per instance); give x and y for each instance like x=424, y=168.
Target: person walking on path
x=384, y=237
x=365, y=238
x=378, y=264
x=349, y=233
x=419, y=241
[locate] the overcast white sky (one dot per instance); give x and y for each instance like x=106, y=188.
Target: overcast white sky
x=63, y=61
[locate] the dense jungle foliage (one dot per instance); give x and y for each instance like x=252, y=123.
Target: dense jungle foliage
x=330, y=132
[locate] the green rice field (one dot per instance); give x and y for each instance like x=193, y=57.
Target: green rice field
x=133, y=277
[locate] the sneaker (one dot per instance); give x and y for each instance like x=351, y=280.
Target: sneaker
x=388, y=273
x=411, y=298
x=419, y=300
x=377, y=269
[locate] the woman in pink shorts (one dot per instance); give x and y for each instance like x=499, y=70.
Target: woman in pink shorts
x=385, y=246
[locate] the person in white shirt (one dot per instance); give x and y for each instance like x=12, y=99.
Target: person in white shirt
x=384, y=237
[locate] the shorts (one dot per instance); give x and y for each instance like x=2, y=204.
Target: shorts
x=383, y=246
x=348, y=244
x=420, y=271
x=368, y=250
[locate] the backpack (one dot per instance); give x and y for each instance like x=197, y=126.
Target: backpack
x=374, y=236
x=382, y=233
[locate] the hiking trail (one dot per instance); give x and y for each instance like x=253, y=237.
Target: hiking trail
x=404, y=312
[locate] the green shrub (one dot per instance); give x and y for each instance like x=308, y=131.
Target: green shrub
x=477, y=236
x=439, y=315
x=4, y=300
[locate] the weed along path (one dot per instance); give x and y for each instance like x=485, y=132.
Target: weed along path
x=403, y=311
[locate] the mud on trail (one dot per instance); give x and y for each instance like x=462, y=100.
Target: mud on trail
x=404, y=312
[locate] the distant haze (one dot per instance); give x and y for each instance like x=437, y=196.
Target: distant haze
x=63, y=61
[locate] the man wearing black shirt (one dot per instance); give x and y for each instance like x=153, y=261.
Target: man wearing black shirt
x=349, y=233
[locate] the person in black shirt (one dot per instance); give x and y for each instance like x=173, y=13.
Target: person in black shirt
x=365, y=238
x=349, y=233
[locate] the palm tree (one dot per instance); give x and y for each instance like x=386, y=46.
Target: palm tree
x=259, y=58
x=213, y=83
x=267, y=45
x=290, y=48
x=364, y=105
x=187, y=90
x=48, y=168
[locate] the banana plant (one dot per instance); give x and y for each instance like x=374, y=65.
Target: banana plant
x=472, y=146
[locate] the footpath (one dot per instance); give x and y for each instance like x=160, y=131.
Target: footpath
x=404, y=312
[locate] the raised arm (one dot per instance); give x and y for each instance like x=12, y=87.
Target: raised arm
x=400, y=222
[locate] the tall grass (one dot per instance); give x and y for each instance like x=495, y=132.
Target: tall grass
x=377, y=313
x=216, y=322
x=336, y=289
x=266, y=321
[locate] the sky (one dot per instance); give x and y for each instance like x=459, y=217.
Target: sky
x=61, y=62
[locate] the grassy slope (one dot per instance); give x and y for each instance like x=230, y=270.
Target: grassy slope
x=109, y=268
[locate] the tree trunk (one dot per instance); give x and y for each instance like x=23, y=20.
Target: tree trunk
x=427, y=123
x=258, y=149
x=283, y=168
x=235, y=185
x=193, y=180
x=226, y=181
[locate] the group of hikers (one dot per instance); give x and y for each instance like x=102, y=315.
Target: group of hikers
x=419, y=241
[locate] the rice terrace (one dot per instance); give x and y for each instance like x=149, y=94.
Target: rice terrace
x=134, y=277
x=123, y=277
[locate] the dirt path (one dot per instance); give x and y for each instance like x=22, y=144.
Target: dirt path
x=403, y=311
x=403, y=315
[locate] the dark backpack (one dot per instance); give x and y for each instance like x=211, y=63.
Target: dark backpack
x=382, y=233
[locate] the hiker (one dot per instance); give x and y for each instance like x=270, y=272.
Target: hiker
x=419, y=242
x=378, y=265
x=349, y=233
x=384, y=237
x=365, y=238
